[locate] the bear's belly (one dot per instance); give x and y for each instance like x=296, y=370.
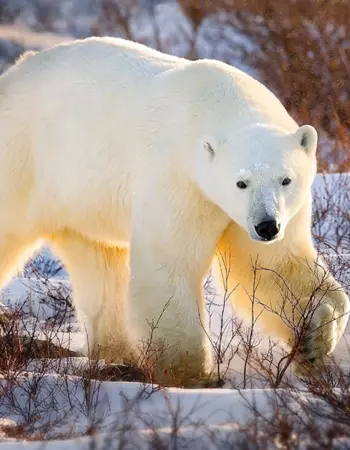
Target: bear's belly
x=117, y=233
x=111, y=226
x=101, y=218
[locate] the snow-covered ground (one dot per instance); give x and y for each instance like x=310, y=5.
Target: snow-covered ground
x=203, y=420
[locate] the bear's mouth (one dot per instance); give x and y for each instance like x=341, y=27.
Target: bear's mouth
x=267, y=240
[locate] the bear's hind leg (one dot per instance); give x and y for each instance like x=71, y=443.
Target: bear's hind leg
x=99, y=276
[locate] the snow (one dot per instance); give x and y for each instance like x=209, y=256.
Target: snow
x=142, y=412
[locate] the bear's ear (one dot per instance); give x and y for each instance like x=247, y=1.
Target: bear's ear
x=209, y=144
x=306, y=136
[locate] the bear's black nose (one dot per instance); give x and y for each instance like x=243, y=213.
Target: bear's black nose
x=268, y=229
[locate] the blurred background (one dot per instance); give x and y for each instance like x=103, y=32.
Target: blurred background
x=299, y=48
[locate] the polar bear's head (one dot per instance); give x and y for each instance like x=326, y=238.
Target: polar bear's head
x=260, y=177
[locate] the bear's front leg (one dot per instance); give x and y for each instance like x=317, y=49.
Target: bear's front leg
x=168, y=324
x=173, y=239
x=295, y=298
x=329, y=312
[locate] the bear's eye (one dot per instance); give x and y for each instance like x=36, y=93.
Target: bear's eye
x=286, y=181
x=241, y=185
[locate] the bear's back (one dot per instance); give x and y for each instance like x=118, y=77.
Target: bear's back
x=98, y=59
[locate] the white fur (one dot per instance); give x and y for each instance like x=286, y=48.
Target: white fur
x=106, y=151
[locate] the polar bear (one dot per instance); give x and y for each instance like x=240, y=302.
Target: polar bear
x=138, y=168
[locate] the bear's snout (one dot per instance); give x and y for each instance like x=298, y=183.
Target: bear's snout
x=268, y=229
